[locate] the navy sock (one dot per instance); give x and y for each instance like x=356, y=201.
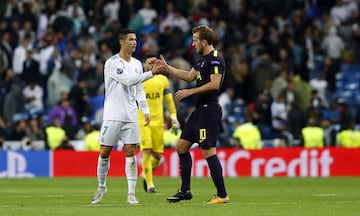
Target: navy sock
x=217, y=175
x=185, y=170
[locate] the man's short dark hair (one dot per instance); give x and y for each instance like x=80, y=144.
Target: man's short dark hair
x=205, y=33
x=149, y=55
x=123, y=33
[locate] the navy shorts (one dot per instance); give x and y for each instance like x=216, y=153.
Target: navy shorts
x=203, y=126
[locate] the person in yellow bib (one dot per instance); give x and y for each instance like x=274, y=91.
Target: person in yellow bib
x=248, y=135
x=313, y=135
x=91, y=140
x=152, y=136
x=349, y=137
x=170, y=138
x=56, y=136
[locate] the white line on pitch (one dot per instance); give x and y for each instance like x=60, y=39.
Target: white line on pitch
x=326, y=195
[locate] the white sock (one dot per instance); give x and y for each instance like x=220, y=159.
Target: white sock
x=102, y=170
x=131, y=173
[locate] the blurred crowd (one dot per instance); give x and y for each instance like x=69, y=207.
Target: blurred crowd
x=283, y=63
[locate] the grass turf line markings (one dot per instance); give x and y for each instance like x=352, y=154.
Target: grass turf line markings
x=248, y=196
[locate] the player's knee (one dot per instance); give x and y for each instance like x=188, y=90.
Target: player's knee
x=129, y=153
x=157, y=156
x=129, y=150
x=182, y=146
x=206, y=153
x=181, y=149
x=105, y=151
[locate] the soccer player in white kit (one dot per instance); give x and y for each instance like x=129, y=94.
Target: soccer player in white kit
x=124, y=92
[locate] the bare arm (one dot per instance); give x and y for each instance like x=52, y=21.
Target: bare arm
x=214, y=84
x=181, y=74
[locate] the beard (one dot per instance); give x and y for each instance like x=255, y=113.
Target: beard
x=200, y=50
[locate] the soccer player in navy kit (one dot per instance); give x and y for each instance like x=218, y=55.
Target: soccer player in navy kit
x=203, y=126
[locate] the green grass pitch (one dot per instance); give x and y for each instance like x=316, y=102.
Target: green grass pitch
x=249, y=196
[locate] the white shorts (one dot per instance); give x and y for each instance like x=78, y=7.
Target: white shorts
x=114, y=131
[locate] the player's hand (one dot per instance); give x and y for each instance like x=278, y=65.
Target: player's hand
x=175, y=126
x=164, y=63
x=158, y=66
x=174, y=122
x=147, y=119
x=181, y=94
x=163, y=59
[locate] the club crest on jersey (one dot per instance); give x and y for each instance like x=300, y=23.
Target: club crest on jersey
x=119, y=71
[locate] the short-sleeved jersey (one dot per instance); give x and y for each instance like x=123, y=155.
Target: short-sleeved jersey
x=212, y=63
x=123, y=87
x=155, y=89
x=203, y=125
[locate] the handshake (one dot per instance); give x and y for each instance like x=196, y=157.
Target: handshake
x=159, y=65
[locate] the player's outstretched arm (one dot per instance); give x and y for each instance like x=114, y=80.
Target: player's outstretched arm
x=181, y=74
x=158, y=66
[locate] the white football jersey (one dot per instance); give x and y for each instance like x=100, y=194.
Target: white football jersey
x=123, y=87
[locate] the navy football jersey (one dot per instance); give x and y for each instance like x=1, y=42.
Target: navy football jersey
x=211, y=63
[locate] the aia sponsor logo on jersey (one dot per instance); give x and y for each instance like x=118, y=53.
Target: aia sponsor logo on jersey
x=153, y=96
